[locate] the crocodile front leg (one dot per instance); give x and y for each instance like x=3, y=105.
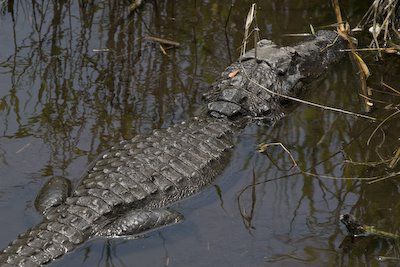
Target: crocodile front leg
x=147, y=172
x=136, y=222
x=53, y=193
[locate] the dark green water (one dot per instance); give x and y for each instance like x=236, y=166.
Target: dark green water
x=64, y=100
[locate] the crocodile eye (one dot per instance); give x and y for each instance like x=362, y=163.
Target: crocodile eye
x=265, y=110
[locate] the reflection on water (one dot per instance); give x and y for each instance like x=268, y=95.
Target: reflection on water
x=77, y=76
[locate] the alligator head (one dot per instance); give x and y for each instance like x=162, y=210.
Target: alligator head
x=253, y=85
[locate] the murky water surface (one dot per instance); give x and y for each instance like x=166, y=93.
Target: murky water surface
x=76, y=77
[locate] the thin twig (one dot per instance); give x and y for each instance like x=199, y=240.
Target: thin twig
x=338, y=14
x=370, y=164
x=297, y=173
x=395, y=159
x=162, y=41
x=249, y=21
x=388, y=49
x=263, y=147
x=229, y=15
x=391, y=88
x=295, y=164
x=163, y=50
x=380, y=124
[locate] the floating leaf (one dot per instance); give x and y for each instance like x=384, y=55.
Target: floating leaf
x=233, y=73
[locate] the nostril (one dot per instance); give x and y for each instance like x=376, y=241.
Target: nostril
x=266, y=112
x=243, y=100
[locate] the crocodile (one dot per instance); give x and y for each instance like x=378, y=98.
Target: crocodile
x=129, y=189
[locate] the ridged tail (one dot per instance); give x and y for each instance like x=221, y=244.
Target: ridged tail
x=145, y=172
x=41, y=244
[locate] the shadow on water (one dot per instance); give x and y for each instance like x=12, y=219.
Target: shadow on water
x=78, y=76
